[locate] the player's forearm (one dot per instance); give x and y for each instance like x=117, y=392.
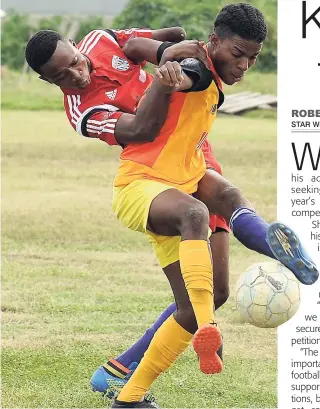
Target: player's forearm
x=158, y=53
x=149, y=119
x=172, y=34
x=153, y=110
x=142, y=49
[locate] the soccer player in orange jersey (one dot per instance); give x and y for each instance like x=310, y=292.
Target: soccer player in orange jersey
x=153, y=191
x=155, y=182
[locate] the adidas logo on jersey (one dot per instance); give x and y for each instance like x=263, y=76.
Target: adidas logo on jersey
x=111, y=94
x=119, y=63
x=202, y=140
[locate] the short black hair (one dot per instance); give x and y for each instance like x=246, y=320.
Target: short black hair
x=41, y=47
x=243, y=20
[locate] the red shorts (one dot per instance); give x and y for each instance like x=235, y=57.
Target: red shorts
x=216, y=221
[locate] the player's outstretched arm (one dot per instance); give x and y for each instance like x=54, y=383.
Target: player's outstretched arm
x=155, y=52
x=172, y=34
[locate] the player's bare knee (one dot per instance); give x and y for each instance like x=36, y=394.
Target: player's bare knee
x=232, y=197
x=228, y=192
x=195, y=220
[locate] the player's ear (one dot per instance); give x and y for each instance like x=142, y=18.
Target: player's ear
x=41, y=77
x=214, y=39
x=72, y=42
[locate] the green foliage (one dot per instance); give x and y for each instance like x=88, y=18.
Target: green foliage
x=17, y=29
x=15, y=32
x=141, y=13
x=89, y=24
x=197, y=19
x=52, y=23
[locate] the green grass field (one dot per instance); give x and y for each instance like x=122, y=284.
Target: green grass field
x=78, y=288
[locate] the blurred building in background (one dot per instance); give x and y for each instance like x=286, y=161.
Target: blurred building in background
x=63, y=7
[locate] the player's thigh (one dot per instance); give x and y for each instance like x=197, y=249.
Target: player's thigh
x=131, y=203
x=172, y=210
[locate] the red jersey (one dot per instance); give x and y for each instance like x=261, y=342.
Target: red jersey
x=117, y=84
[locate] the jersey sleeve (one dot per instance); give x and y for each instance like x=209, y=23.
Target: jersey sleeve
x=97, y=121
x=102, y=124
x=122, y=36
x=197, y=71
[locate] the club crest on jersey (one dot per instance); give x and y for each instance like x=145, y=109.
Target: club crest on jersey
x=111, y=94
x=119, y=63
x=213, y=109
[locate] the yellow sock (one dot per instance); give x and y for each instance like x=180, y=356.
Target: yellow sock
x=196, y=269
x=167, y=344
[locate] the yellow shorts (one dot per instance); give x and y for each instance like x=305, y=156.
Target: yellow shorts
x=131, y=205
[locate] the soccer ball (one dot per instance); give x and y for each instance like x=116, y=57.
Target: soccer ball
x=267, y=294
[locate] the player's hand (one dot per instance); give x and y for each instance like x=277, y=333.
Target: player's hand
x=186, y=49
x=169, y=75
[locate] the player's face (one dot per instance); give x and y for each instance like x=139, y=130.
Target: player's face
x=67, y=67
x=233, y=56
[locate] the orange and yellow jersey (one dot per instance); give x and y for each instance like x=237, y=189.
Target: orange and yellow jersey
x=175, y=157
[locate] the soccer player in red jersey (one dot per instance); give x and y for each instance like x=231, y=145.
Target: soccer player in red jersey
x=231, y=36
x=110, y=89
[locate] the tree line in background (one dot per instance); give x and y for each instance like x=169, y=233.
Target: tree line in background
x=195, y=17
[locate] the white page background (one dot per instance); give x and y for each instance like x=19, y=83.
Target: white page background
x=298, y=88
